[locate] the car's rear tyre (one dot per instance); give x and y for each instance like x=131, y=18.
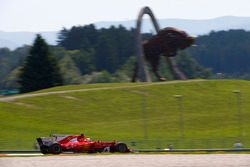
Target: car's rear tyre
x=55, y=148
x=121, y=147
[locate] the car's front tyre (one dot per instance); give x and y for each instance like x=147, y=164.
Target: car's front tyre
x=121, y=147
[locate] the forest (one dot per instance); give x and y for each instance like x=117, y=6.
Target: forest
x=86, y=54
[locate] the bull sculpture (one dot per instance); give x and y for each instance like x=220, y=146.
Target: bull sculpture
x=166, y=43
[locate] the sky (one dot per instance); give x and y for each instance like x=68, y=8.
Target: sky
x=52, y=15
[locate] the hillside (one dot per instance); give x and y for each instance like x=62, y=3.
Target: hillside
x=145, y=115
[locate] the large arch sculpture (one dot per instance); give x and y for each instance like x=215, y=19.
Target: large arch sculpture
x=141, y=71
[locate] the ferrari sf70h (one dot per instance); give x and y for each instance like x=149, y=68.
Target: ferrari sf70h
x=57, y=144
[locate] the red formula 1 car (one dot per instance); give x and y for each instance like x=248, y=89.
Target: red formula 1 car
x=78, y=143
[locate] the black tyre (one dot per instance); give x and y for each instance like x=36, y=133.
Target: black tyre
x=121, y=147
x=55, y=148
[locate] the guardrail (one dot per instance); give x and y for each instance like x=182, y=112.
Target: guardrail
x=193, y=150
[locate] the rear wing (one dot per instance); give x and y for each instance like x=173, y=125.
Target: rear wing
x=54, y=138
x=45, y=141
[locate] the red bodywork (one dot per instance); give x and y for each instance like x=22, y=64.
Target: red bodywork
x=81, y=143
x=78, y=143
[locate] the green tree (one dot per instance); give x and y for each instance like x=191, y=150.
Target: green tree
x=103, y=49
x=226, y=52
x=40, y=70
x=4, y=64
x=71, y=74
x=101, y=77
x=83, y=60
x=78, y=37
x=106, y=57
x=191, y=67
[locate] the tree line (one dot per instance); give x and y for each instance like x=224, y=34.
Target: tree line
x=102, y=49
x=225, y=52
x=89, y=55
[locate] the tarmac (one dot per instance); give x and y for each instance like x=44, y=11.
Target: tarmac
x=131, y=160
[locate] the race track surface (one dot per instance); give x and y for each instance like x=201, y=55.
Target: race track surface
x=131, y=160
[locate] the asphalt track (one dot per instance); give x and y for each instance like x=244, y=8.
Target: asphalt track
x=131, y=160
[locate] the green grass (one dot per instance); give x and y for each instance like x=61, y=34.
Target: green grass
x=141, y=114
